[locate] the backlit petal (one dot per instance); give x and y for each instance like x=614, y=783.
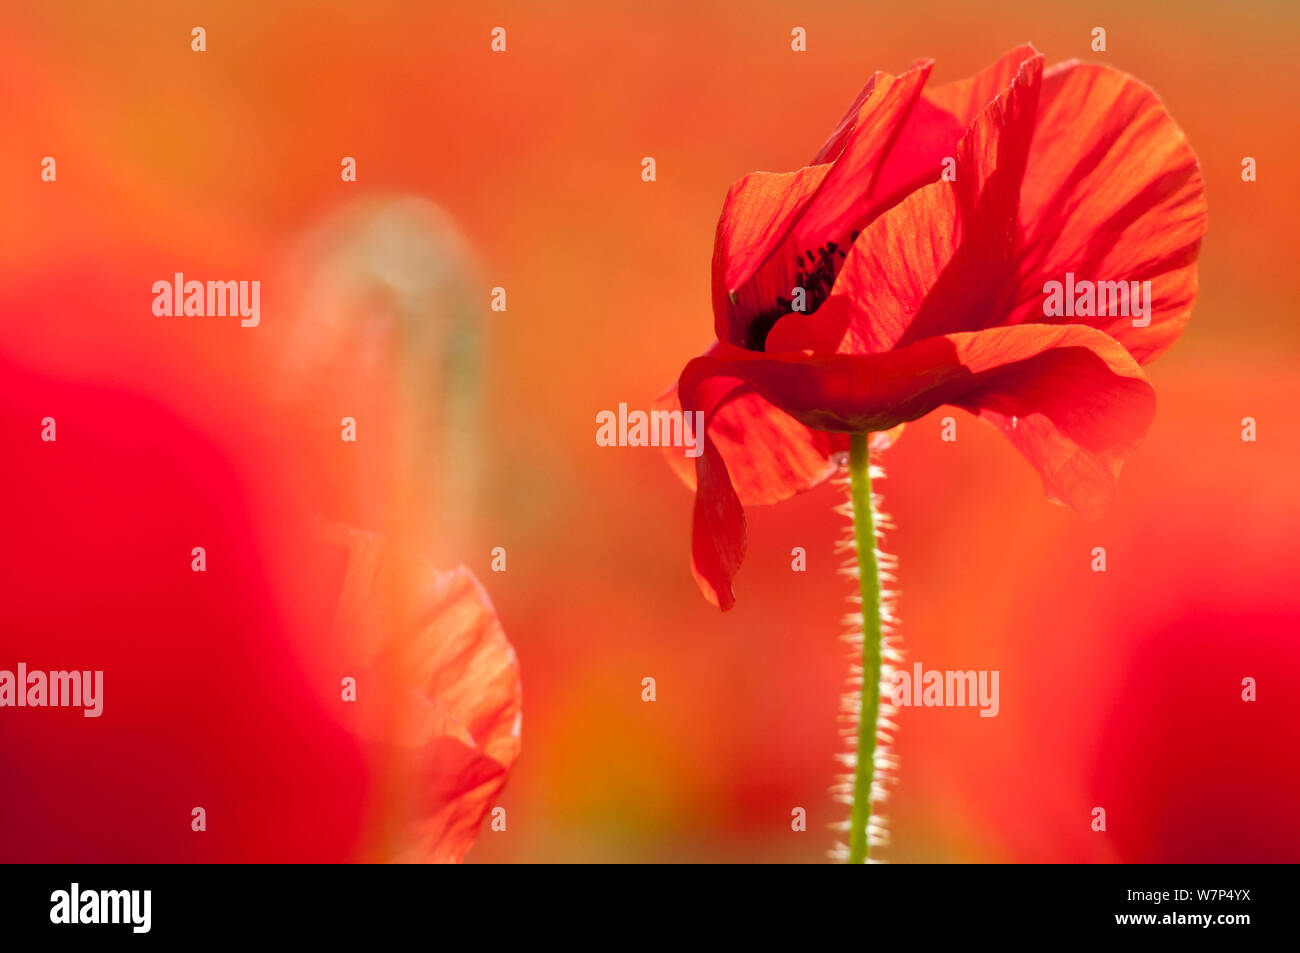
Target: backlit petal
x=1112, y=192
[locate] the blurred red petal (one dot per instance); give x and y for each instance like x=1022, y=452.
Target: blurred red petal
x=449, y=705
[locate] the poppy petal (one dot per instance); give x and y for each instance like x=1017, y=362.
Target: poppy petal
x=449, y=683
x=771, y=455
x=758, y=215
x=1084, y=400
x=937, y=123
x=775, y=228
x=717, y=529
x=1077, y=436
x=1114, y=193
x=965, y=99
x=942, y=260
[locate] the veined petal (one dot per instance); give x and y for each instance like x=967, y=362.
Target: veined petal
x=1112, y=193
x=943, y=260
x=1075, y=416
x=965, y=99
x=781, y=230
x=757, y=218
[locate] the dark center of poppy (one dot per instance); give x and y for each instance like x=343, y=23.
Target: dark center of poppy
x=813, y=272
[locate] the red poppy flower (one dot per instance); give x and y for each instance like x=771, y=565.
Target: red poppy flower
x=920, y=243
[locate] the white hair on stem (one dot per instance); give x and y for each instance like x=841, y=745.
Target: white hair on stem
x=884, y=764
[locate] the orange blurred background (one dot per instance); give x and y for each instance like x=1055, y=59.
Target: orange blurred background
x=1118, y=689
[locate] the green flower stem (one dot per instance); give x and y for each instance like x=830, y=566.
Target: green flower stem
x=869, y=580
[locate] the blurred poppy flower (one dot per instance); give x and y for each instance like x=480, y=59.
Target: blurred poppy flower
x=906, y=268
x=321, y=696
x=439, y=697
x=222, y=687
x=381, y=327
